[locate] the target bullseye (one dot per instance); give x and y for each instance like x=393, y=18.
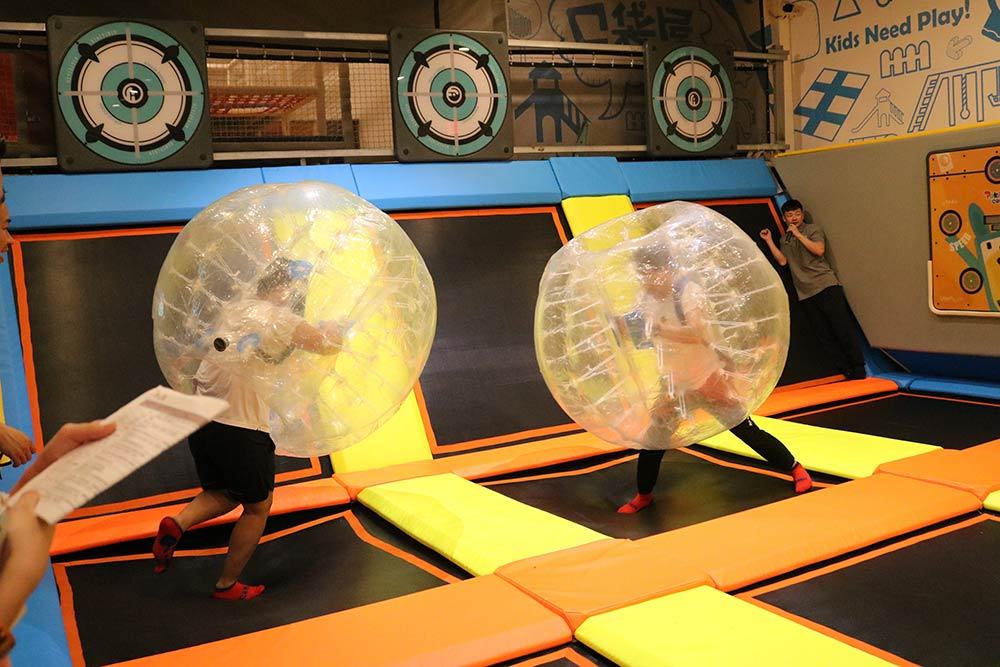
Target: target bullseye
x=451, y=94
x=129, y=92
x=691, y=99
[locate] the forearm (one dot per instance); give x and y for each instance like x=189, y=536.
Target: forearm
x=680, y=334
x=17, y=582
x=779, y=256
x=812, y=246
x=311, y=339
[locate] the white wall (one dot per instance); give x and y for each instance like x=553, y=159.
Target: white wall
x=891, y=67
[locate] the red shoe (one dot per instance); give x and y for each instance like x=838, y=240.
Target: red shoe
x=238, y=591
x=166, y=541
x=640, y=502
x=803, y=482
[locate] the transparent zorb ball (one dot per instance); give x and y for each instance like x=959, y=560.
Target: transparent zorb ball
x=303, y=296
x=662, y=327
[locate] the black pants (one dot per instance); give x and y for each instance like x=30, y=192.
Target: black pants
x=831, y=319
x=762, y=442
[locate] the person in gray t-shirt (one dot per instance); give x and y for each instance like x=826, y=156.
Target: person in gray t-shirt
x=803, y=249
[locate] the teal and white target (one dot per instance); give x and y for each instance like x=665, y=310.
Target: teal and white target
x=452, y=94
x=692, y=99
x=130, y=93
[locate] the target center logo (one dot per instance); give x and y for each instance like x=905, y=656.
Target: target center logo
x=133, y=93
x=692, y=99
x=452, y=94
x=130, y=92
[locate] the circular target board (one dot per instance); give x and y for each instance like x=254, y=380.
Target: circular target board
x=130, y=93
x=692, y=99
x=452, y=94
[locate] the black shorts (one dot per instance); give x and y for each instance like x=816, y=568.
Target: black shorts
x=237, y=461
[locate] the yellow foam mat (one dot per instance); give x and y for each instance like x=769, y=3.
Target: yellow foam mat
x=584, y=213
x=471, y=525
x=826, y=450
x=703, y=626
x=992, y=501
x=4, y=460
x=402, y=439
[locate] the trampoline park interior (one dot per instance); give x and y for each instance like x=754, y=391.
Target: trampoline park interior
x=478, y=526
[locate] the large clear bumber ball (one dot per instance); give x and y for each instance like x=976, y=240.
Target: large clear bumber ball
x=307, y=297
x=662, y=327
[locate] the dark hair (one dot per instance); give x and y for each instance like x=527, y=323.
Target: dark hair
x=792, y=205
x=277, y=275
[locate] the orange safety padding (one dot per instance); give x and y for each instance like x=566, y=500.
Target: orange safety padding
x=794, y=399
x=478, y=621
x=747, y=547
x=976, y=469
x=113, y=528
x=566, y=654
x=489, y=463
x=602, y=576
x=805, y=384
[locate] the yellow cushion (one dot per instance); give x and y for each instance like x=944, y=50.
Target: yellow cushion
x=584, y=213
x=703, y=626
x=471, y=525
x=992, y=501
x=826, y=450
x=402, y=439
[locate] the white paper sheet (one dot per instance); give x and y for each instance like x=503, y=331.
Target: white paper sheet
x=147, y=426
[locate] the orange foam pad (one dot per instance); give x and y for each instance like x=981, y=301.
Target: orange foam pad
x=976, y=469
x=747, y=547
x=602, y=576
x=478, y=621
x=103, y=530
x=794, y=399
x=478, y=465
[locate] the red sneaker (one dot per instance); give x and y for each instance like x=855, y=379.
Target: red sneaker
x=803, y=482
x=238, y=591
x=640, y=502
x=166, y=541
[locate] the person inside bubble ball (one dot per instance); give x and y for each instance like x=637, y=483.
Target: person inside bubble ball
x=234, y=455
x=670, y=318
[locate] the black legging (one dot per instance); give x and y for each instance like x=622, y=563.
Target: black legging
x=760, y=441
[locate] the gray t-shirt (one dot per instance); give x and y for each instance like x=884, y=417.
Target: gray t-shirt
x=810, y=274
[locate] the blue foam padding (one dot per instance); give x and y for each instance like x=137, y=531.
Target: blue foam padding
x=41, y=634
x=16, y=408
x=41, y=637
x=589, y=176
x=99, y=200
x=402, y=187
x=338, y=174
x=950, y=366
x=780, y=200
x=698, y=179
x=968, y=388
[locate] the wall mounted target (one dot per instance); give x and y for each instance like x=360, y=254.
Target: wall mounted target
x=691, y=101
x=451, y=95
x=128, y=94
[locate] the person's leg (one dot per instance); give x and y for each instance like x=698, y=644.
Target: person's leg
x=242, y=543
x=249, y=479
x=838, y=314
x=205, y=506
x=646, y=473
x=205, y=444
x=765, y=444
x=774, y=452
x=823, y=330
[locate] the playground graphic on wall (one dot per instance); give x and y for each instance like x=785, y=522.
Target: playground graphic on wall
x=964, y=197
